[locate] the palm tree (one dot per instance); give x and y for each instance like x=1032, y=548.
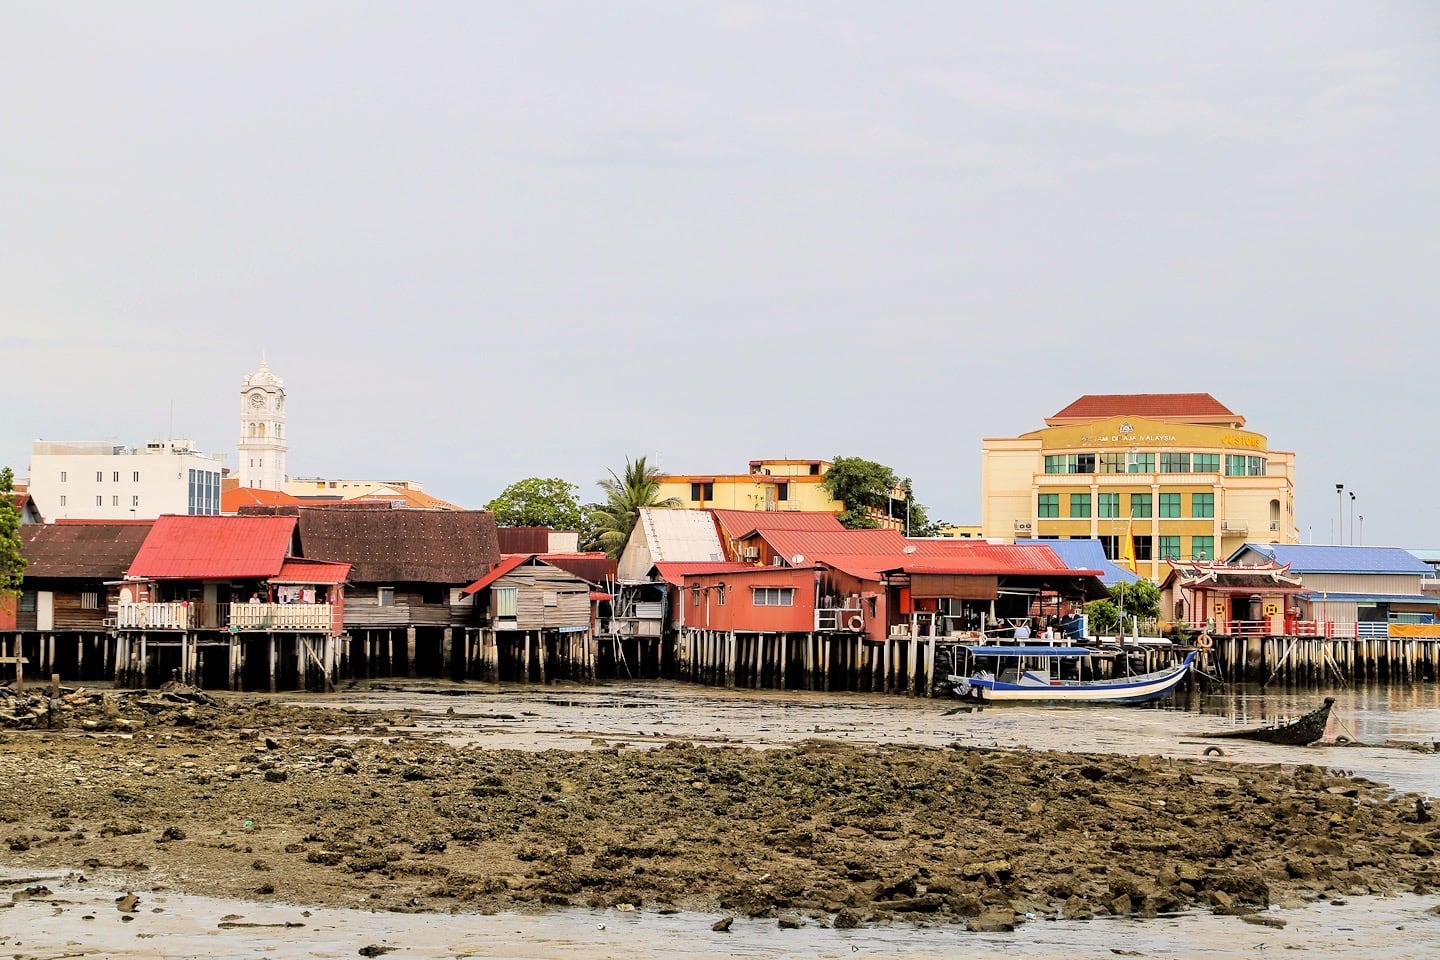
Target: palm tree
x=625, y=496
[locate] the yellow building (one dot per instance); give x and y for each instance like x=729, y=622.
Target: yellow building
x=1153, y=476
x=769, y=485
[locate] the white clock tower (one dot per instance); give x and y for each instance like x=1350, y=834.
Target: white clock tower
x=262, y=430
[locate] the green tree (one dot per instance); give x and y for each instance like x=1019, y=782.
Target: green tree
x=625, y=495
x=1139, y=599
x=867, y=488
x=1103, y=618
x=539, y=502
x=12, y=562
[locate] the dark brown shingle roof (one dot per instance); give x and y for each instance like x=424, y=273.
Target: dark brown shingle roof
x=402, y=546
x=91, y=550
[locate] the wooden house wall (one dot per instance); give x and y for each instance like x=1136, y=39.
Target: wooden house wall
x=532, y=582
x=362, y=607
x=66, y=600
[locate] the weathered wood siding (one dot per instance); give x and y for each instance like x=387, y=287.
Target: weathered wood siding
x=362, y=608
x=68, y=612
x=547, y=596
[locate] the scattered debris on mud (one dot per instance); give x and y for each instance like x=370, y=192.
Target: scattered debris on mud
x=250, y=799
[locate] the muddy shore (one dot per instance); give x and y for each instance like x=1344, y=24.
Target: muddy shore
x=252, y=800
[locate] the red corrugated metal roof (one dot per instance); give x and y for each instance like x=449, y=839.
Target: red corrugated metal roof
x=865, y=566
x=295, y=570
x=1097, y=406
x=524, y=539
x=593, y=567
x=506, y=564
x=674, y=572
x=737, y=524
x=953, y=557
x=810, y=543
x=214, y=548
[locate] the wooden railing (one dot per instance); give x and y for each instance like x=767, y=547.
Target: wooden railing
x=236, y=617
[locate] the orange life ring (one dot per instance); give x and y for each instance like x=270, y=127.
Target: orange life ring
x=1204, y=642
x=856, y=622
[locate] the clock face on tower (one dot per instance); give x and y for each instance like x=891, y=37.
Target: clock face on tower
x=257, y=400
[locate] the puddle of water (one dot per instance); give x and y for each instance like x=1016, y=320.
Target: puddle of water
x=81, y=919
x=651, y=714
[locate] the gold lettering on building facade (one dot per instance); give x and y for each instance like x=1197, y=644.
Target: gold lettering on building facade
x=1130, y=438
x=1237, y=440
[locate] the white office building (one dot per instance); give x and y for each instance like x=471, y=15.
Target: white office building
x=98, y=480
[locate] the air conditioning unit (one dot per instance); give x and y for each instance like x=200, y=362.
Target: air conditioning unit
x=1022, y=526
x=751, y=553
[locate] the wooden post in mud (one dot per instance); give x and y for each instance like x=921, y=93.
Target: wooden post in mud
x=910, y=660
x=543, y=651
x=447, y=654
x=273, y=646
x=784, y=658
x=119, y=663
x=525, y=660
x=144, y=671
x=730, y=655
x=410, y=651
x=929, y=676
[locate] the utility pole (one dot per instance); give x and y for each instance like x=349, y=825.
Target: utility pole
x=1340, y=512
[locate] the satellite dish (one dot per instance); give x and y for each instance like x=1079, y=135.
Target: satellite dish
x=910, y=549
x=798, y=559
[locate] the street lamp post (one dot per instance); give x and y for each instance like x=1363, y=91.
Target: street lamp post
x=1352, y=518
x=1340, y=512
x=1362, y=529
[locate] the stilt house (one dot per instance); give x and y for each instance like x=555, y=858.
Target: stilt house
x=66, y=606
x=406, y=611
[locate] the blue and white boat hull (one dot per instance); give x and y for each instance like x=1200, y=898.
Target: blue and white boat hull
x=1037, y=688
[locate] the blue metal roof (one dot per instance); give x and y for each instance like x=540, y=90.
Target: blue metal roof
x=1087, y=555
x=1321, y=558
x=1321, y=596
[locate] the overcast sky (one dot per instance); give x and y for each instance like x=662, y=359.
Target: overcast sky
x=485, y=241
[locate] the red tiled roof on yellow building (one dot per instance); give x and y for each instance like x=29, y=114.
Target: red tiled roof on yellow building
x=1180, y=407
x=403, y=496
x=233, y=498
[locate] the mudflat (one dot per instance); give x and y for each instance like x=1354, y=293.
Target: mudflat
x=250, y=799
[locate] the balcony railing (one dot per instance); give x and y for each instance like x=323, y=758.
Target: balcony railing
x=235, y=617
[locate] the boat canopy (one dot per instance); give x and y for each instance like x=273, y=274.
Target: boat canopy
x=1037, y=650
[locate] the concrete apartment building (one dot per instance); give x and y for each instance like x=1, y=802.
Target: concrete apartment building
x=99, y=480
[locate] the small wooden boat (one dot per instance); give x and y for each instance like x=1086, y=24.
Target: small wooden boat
x=1032, y=672
x=1296, y=733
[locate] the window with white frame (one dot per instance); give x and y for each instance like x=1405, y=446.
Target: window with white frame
x=385, y=596
x=774, y=596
